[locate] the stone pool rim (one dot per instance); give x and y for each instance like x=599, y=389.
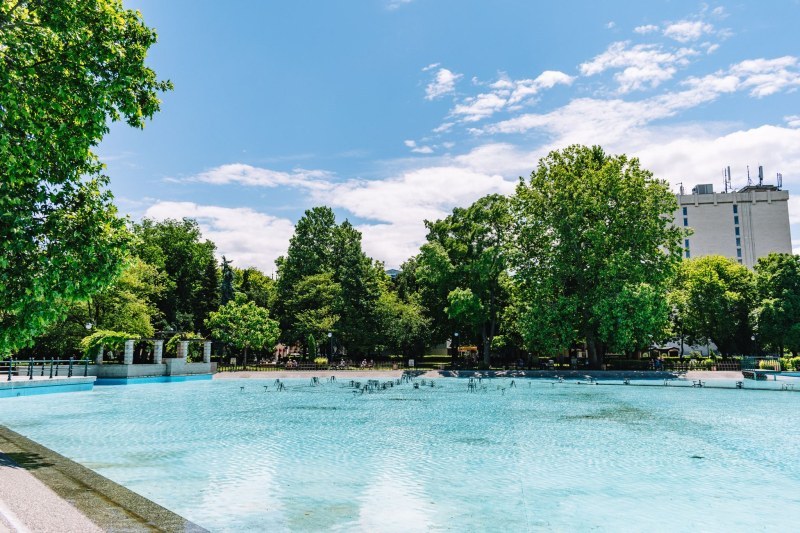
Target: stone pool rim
x=109, y=505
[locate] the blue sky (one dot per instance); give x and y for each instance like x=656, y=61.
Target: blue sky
x=395, y=111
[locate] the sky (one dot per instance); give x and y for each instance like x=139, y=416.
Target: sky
x=396, y=111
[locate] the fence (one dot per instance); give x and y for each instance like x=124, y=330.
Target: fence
x=44, y=368
x=257, y=367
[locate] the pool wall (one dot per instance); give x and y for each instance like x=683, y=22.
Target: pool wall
x=13, y=388
x=152, y=379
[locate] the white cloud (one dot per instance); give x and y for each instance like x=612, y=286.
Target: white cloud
x=767, y=76
x=645, y=29
x=443, y=83
x=585, y=120
x=248, y=237
x=396, y=4
x=475, y=108
x=687, y=30
x=262, y=177
x=793, y=121
x=610, y=25
x=506, y=93
x=643, y=65
x=431, y=67
x=418, y=149
x=396, y=207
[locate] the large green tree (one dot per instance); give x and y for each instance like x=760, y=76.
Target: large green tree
x=326, y=258
x=177, y=249
x=715, y=296
x=463, y=269
x=594, y=251
x=778, y=313
x=68, y=68
x=244, y=325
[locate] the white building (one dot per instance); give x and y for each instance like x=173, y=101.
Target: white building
x=743, y=225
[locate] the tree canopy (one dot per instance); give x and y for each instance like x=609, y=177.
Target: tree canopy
x=594, y=250
x=68, y=68
x=244, y=325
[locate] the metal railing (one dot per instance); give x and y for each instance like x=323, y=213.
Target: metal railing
x=258, y=367
x=44, y=367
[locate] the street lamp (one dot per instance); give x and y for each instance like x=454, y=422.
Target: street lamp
x=88, y=325
x=330, y=340
x=455, y=341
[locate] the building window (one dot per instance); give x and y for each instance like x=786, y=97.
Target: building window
x=685, y=221
x=688, y=254
x=685, y=211
x=737, y=232
x=738, y=242
x=736, y=219
x=735, y=209
x=740, y=261
x=739, y=253
x=686, y=243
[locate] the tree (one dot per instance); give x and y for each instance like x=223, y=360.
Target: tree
x=176, y=248
x=310, y=252
x=716, y=295
x=227, y=293
x=778, y=292
x=256, y=286
x=405, y=328
x=244, y=325
x=594, y=241
x=361, y=281
x=464, y=268
x=312, y=307
x=207, y=298
x=68, y=68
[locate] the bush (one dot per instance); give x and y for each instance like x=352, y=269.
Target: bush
x=320, y=360
x=113, y=340
x=790, y=363
x=628, y=364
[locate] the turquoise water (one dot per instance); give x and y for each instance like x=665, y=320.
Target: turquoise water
x=538, y=456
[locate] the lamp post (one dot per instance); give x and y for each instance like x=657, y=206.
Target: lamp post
x=455, y=348
x=330, y=340
x=88, y=326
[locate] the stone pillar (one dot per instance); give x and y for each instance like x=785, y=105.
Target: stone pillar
x=183, y=349
x=128, y=360
x=207, y=352
x=98, y=357
x=158, y=351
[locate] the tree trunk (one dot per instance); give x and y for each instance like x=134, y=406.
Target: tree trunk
x=245, y=356
x=486, y=347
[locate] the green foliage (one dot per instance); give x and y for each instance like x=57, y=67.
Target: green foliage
x=68, y=68
x=256, y=286
x=175, y=248
x=778, y=313
x=311, y=345
x=790, y=363
x=327, y=283
x=227, y=292
x=195, y=351
x=461, y=270
x=112, y=340
x=716, y=295
x=321, y=361
x=594, y=250
x=405, y=327
x=244, y=325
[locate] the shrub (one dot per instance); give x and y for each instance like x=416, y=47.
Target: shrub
x=321, y=361
x=113, y=340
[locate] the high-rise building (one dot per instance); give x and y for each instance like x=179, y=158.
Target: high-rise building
x=744, y=225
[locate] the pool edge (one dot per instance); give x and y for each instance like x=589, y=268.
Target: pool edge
x=106, y=503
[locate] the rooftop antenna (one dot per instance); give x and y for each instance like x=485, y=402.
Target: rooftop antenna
x=726, y=179
x=760, y=175
x=749, y=181
x=780, y=180
x=680, y=183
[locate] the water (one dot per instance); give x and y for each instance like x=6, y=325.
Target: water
x=540, y=456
